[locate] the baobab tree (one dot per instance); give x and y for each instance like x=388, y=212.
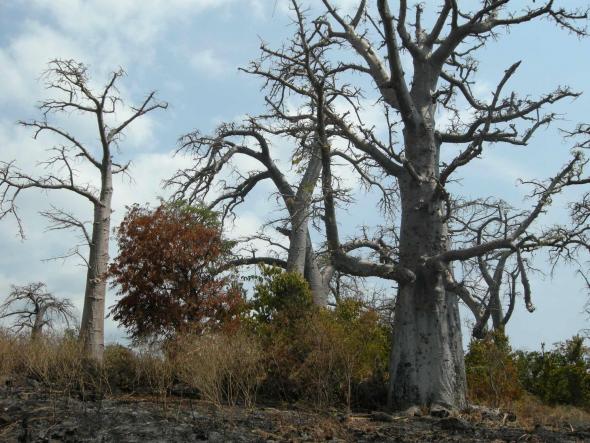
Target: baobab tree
x=70, y=81
x=426, y=367
x=287, y=73
x=32, y=307
x=213, y=154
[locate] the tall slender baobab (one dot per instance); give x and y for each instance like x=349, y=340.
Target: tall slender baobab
x=70, y=82
x=290, y=72
x=214, y=154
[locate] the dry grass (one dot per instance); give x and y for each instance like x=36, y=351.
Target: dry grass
x=154, y=370
x=222, y=367
x=56, y=363
x=531, y=412
x=9, y=354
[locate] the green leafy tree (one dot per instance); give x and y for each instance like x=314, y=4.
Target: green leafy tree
x=279, y=296
x=559, y=376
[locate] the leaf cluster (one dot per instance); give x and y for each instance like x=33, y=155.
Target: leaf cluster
x=491, y=370
x=559, y=376
x=166, y=272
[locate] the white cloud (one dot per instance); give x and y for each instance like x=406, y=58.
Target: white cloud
x=25, y=58
x=209, y=63
x=148, y=171
x=344, y=7
x=104, y=34
x=139, y=21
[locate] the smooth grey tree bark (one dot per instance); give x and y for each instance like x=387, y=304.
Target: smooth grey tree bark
x=92, y=325
x=70, y=80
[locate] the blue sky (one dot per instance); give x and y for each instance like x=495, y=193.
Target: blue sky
x=189, y=51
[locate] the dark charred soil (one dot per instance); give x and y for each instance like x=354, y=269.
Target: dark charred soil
x=35, y=416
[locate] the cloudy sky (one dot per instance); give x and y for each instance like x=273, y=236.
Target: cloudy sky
x=189, y=51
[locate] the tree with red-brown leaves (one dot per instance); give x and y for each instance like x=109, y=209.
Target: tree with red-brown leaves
x=166, y=273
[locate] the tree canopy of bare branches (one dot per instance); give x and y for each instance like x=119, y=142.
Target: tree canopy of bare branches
x=427, y=364
x=32, y=307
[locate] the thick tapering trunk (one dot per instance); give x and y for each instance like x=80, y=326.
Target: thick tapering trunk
x=298, y=240
x=37, y=328
x=427, y=361
x=301, y=258
x=427, y=365
x=92, y=326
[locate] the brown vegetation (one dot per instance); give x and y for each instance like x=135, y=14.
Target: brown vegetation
x=323, y=364
x=164, y=273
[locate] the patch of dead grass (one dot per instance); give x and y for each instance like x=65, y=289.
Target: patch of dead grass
x=531, y=412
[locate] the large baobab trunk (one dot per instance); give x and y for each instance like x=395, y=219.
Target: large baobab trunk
x=92, y=326
x=427, y=356
x=426, y=365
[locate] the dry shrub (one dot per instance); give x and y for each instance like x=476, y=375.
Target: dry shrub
x=322, y=356
x=223, y=367
x=492, y=375
x=37, y=359
x=326, y=372
x=10, y=346
x=68, y=368
x=345, y=350
x=121, y=368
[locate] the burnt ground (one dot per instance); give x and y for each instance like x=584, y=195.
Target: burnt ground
x=40, y=417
